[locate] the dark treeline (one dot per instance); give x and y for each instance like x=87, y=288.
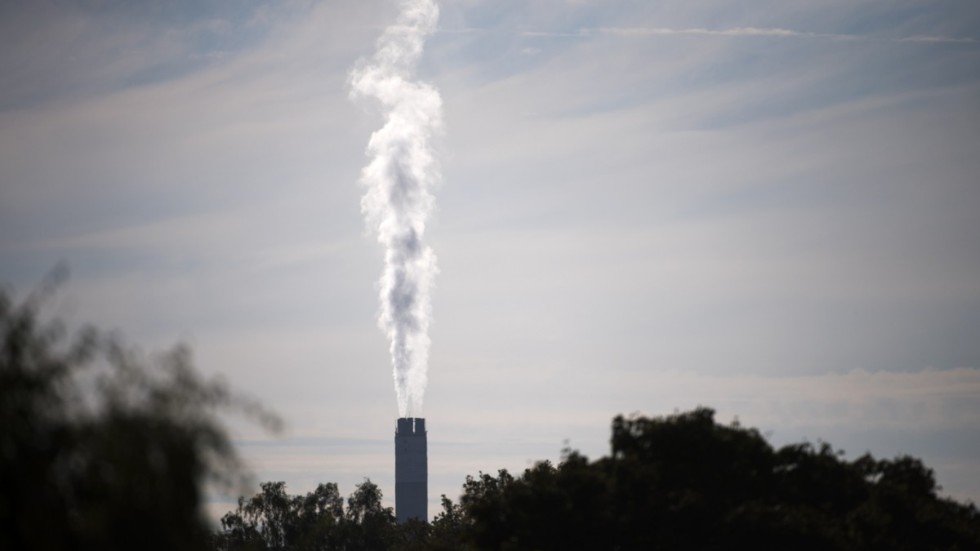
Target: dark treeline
x=679, y=482
x=102, y=448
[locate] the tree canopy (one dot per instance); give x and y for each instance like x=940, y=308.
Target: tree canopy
x=275, y=521
x=676, y=482
x=687, y=482
x=101, y=448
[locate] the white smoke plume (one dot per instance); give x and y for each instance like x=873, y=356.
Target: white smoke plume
x=399, y=179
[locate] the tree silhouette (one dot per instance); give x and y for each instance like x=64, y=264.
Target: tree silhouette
x=99, y=448
x=273, y=521
x=677, y=482
x=686, y=482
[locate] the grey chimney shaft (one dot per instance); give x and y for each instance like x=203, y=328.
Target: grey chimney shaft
x=411, y=470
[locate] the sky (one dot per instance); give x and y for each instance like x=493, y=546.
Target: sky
x=767, y=207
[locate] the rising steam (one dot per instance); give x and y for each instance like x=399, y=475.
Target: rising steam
x=398, y=197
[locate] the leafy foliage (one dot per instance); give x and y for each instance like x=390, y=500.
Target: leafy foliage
x=274, y=521
x=100, y=449
x=685, y=482
x=677, y=482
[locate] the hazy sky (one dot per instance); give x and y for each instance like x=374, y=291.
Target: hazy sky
x=766, y=207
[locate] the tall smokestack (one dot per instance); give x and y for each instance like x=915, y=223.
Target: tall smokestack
x=411, y=470
x=398, y=181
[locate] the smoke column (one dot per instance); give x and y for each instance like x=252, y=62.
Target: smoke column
x=398, y=180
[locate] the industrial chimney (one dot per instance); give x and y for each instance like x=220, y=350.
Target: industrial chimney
x=411, y=470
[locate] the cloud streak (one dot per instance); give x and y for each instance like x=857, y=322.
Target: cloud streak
x=742, y=32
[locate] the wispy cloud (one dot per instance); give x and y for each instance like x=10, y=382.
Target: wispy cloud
x=938, y=39
x=700, y=31
x=742, y=32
